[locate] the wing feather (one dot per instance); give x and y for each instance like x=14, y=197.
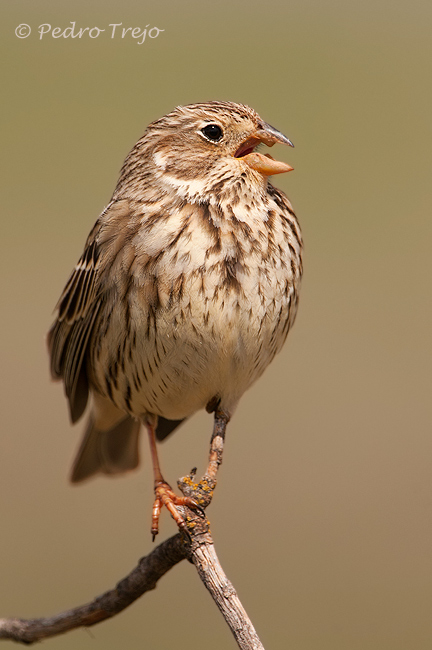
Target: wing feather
x=69, y=336
x=81, y=302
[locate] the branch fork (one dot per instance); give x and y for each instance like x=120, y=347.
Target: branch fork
x=197, y=546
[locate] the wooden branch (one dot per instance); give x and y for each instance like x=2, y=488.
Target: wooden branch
x=143, y=578
x=201, y=549
x=223, y=593
x=198, y=549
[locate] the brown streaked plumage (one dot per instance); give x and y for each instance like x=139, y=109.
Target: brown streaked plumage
x=186, y=289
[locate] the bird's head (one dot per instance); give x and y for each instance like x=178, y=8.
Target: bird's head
x=198, y=147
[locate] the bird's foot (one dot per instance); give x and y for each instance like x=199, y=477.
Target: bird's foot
x=165, y=496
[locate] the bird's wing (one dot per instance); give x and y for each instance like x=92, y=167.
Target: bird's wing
x=80, y=305
x=68, y=338
x=78, y=308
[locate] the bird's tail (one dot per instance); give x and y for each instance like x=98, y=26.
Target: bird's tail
x=110, y=442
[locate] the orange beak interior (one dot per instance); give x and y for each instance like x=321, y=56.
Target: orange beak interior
x=263, y=163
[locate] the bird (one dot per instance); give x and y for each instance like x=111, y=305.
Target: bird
x=186, y=289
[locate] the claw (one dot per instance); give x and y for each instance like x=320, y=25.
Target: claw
x=187, y=533
x=199, y=510
x=157, y=506
x=166, y=497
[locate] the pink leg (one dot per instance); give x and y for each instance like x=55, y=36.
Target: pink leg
x=164, y=493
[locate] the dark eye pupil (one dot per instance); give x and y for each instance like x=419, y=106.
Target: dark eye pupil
x=212, y=132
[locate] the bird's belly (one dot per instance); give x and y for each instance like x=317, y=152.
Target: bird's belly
x=196, y=363
x=184, y=357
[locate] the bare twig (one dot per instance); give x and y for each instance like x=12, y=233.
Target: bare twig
x=223, y=593
x=143, y=578
x=199, y=550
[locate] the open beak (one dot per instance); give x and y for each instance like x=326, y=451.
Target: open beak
x=263, y=163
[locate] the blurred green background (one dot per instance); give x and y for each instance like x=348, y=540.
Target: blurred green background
x=323, y=513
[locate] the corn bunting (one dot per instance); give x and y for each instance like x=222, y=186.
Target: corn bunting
x=186, y=289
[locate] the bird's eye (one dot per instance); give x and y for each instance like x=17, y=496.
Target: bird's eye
x=212, y=132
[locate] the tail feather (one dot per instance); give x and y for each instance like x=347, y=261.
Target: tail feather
x=166, y=427
x=110, y=451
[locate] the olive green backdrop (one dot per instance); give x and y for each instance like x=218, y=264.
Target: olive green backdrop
x=323, y=513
